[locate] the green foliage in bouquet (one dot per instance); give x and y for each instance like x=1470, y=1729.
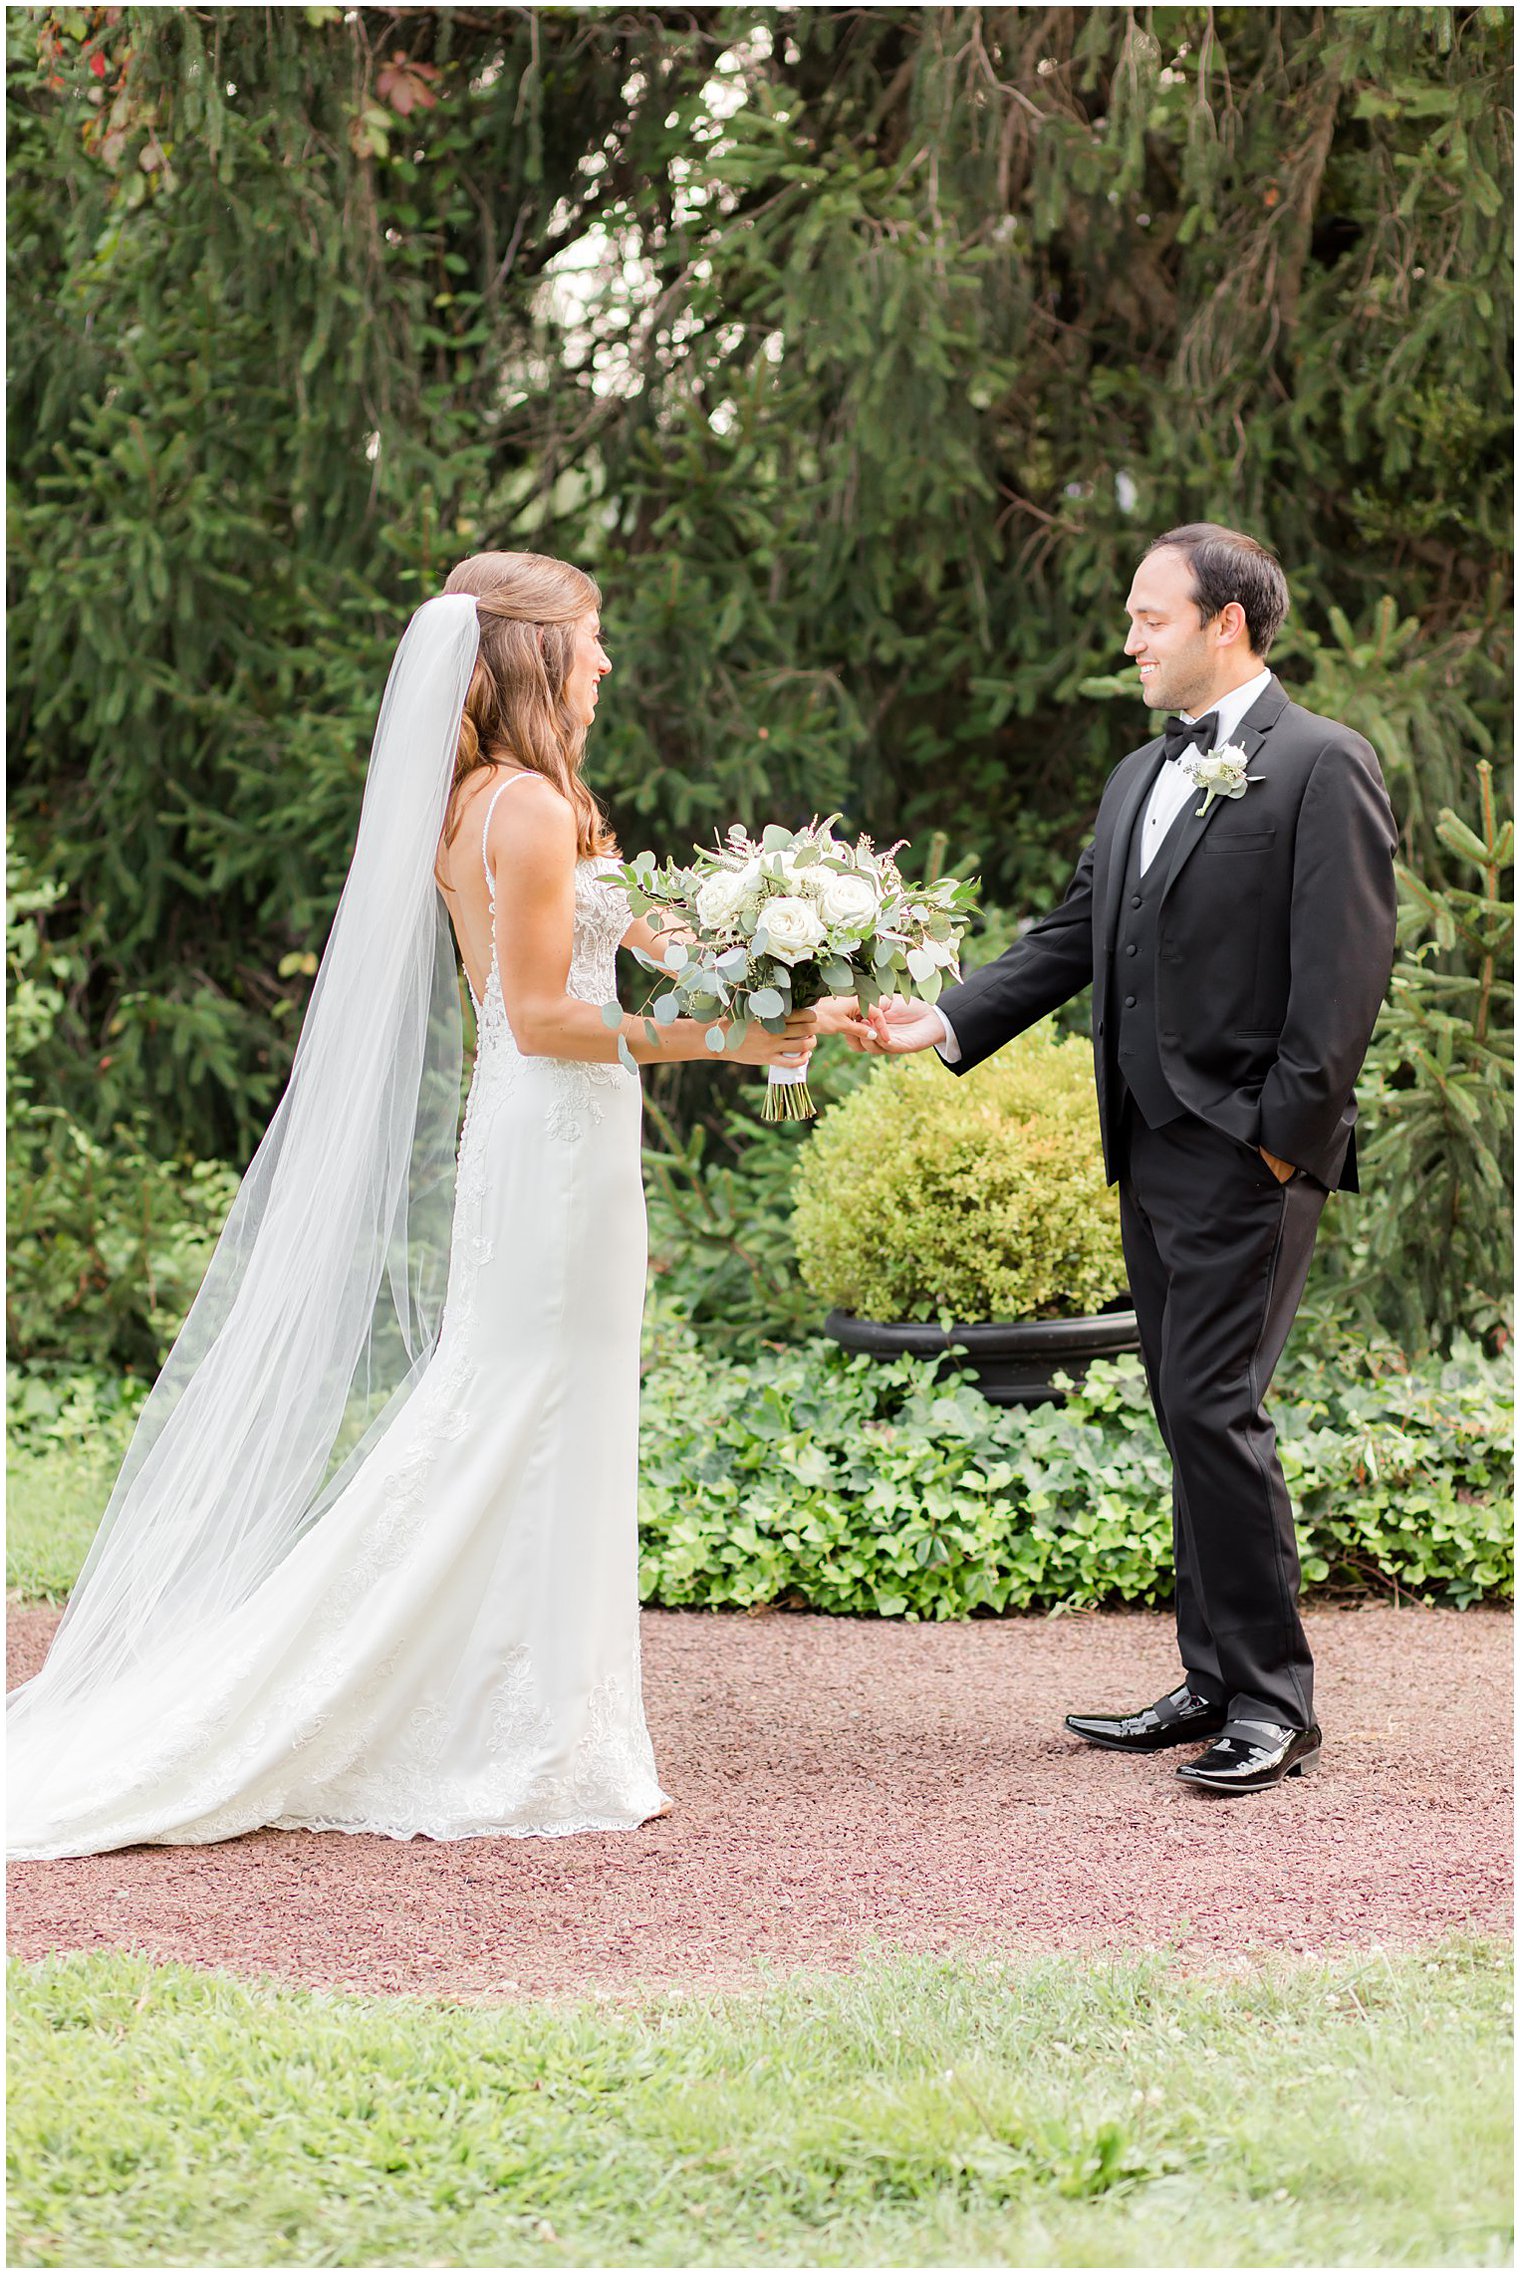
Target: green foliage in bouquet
x=775, y=926
x=812, y=1479
x=783, y=922
x=925, y=1197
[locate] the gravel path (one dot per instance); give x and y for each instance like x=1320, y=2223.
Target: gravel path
x=843, y=1781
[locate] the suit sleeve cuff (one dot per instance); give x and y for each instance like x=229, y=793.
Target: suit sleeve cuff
x=948, y=1048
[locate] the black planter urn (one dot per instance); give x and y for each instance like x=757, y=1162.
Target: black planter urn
x=1013, y=1362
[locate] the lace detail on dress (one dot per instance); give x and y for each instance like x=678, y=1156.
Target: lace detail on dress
x=513, y=1796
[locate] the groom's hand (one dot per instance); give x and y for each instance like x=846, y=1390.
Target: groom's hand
x=895, y=1028
x=1282, y=1170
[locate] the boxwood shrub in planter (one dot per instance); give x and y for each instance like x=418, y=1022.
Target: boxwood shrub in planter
x=969, y=1218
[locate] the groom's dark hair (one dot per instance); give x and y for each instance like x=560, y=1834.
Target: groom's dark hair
x=1228, y=565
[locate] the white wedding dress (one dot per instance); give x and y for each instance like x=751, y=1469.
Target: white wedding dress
x=452, y=1648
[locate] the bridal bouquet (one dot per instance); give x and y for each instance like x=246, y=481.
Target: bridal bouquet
x=780, y=924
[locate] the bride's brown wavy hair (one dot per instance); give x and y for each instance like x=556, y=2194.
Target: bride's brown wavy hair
x=528, y=607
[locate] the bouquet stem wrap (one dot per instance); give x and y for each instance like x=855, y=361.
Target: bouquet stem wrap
x=787, y=1096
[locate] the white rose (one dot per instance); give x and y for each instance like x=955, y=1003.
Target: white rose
x=792, y=928
x=721, y=896
x=847, y=902
x=803, y=881
x=1222, y=770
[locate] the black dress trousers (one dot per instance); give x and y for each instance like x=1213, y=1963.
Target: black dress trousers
x=1218, y=1251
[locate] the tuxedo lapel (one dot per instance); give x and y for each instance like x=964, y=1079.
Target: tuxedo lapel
x=1249, y=736
x=1110, y=854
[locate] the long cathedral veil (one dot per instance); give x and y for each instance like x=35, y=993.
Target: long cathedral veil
x=324, y=1296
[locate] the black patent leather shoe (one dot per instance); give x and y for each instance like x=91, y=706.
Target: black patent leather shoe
x=1250, y=1755
x=1180, y=1718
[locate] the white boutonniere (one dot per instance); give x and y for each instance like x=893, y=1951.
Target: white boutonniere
x=1220, y=773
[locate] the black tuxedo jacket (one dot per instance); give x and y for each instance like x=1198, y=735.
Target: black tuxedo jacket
x=1274, y=943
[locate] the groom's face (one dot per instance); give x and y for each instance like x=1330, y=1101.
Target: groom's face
x=1176, y=651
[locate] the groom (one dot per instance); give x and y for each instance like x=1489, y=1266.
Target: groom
x=1239, y=944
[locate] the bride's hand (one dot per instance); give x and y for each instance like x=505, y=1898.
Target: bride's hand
x=837, y=1014
x=792, y=1049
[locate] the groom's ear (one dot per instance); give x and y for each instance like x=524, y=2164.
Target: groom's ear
x=1230, y=629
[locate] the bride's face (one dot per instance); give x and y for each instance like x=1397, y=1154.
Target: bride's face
x=589, y=665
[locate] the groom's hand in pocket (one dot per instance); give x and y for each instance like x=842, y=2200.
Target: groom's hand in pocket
x=1282, y=1170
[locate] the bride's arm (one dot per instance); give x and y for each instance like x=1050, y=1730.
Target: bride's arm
x=532, y=852
x=642, y=933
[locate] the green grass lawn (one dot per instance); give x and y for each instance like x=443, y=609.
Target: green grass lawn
x=1054, y=2112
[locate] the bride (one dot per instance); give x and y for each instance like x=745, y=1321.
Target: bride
x=371, y=1561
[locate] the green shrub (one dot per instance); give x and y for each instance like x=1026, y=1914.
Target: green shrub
x=1431, y=1249
x=982, y=1198
x=812, y=1478
x=107, y=1244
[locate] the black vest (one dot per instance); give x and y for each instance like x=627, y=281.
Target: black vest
x=1134, y=985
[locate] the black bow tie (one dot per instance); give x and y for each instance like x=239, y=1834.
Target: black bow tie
x=1177, y=734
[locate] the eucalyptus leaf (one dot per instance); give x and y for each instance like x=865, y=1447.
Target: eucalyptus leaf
x=612, y=1014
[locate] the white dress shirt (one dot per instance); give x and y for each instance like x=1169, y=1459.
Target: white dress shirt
x=1167, y=797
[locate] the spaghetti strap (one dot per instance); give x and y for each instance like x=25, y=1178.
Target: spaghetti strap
x=485, y=834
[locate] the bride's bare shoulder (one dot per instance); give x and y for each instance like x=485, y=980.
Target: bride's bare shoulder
x=530, y=829
x=534, y=817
